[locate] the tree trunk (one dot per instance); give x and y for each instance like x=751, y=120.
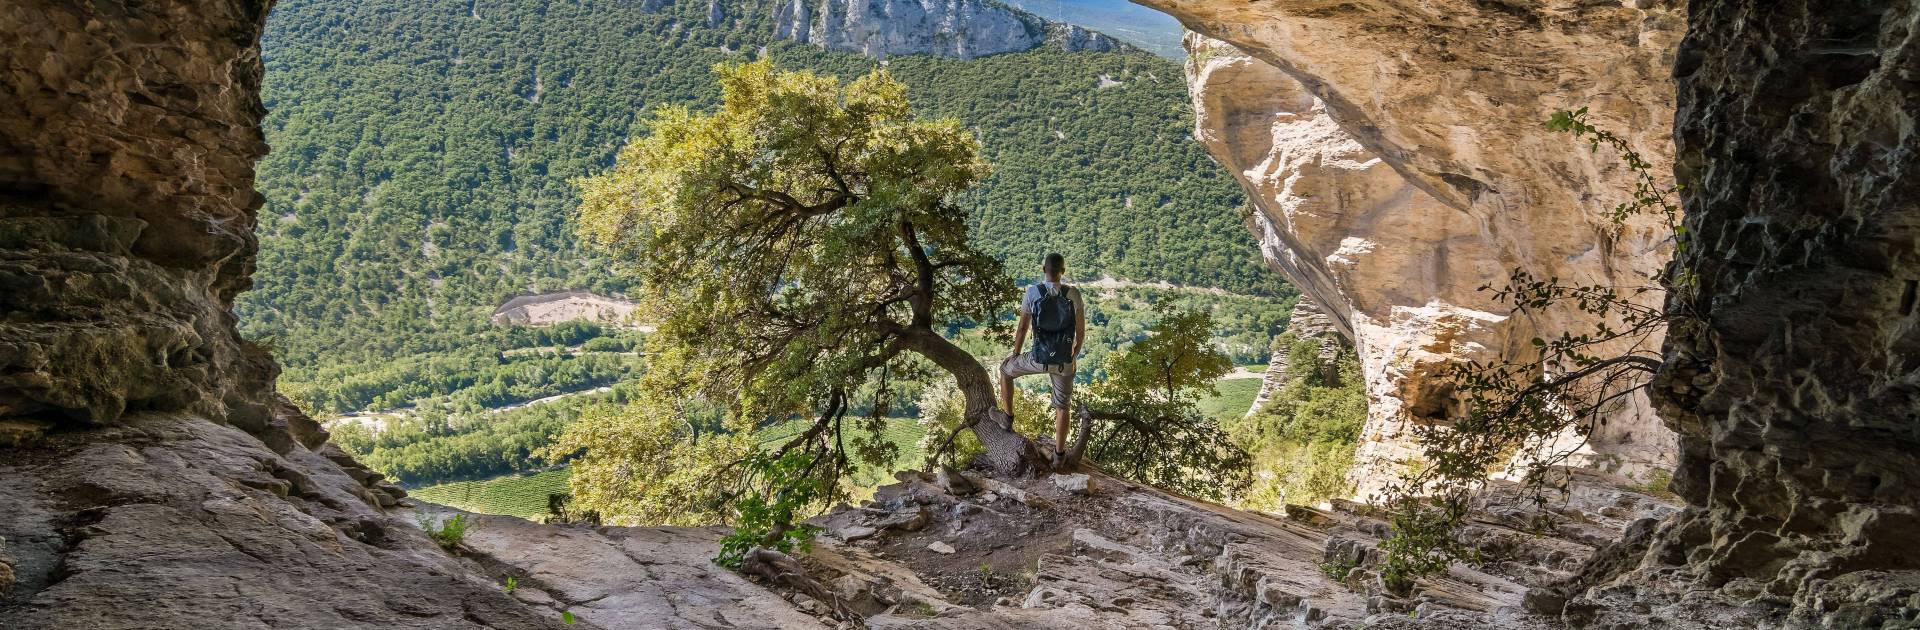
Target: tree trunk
x=1007, y=452
x=782, y=569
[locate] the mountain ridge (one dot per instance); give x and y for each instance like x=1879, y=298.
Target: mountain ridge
x=962, y=29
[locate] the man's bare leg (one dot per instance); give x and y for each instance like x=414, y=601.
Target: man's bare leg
x=1006, y=399
x=1060, y=432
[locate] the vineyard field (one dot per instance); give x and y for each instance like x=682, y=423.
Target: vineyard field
x=524, y=496
x=1236, y=397
x=904, y=433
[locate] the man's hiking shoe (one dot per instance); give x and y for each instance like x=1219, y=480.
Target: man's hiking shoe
x=1059, y=460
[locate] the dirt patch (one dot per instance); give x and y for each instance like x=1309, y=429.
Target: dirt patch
x=996, y=548
x=997, y=537
x=547, y=309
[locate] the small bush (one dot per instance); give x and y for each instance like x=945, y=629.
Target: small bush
x=448, y=533
x=1659, y=483
x=766, y=519
x=1337, y=570
x=1423, y=542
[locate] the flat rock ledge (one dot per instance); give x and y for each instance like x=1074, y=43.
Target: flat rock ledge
x=1046, y=553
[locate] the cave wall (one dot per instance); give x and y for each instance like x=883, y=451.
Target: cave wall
x=127, y=141
x=1791, y=383
x=150, y=477
x=1795, y=382
x=1396, y=160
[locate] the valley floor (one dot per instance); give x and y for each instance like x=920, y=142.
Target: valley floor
x=524, y=494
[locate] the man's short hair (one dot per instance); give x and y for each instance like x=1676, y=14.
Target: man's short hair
x=1053, y=263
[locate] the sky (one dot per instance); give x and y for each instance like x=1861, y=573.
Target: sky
x=1132, y=23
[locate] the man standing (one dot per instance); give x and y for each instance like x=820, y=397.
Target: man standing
x=1058, y=318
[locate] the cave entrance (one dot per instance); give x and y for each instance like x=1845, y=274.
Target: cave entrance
x=421, y=276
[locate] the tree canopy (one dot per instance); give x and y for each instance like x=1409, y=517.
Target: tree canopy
x=1150, y=425
x=793, y=246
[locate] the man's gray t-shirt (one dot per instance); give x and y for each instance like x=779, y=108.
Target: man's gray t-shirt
x=1022, y=364
x=1038, y=289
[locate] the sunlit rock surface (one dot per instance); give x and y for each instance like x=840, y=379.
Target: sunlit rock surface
x=966, y=551
x=1396, y=161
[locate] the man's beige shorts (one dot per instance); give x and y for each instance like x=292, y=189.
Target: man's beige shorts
x=1062, y=376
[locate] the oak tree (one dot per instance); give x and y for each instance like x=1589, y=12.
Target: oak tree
x=794, y=248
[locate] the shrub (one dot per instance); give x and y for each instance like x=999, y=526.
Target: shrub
x=448, y=533
x=766, y=516
x=606, y=344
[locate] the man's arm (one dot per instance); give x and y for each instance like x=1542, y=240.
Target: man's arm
x=1079, y=324
x=1020, y=333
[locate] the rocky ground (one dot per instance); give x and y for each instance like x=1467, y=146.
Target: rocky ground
x=173, y=521
x=960, y=551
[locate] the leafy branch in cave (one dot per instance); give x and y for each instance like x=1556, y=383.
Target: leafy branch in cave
x=1143, y=421
x=1526, y=417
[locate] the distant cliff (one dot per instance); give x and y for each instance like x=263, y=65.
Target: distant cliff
x=964, y=29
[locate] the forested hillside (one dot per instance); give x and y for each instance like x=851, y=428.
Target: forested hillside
x=422, y=152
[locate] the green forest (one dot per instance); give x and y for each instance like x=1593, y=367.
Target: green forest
x=422, y=153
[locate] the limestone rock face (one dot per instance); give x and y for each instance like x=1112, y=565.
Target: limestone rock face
x=1791, y=385
x=172, y=521
x=1308, y=321
x=1796, y=390
x=127, y=226
x=150, y=477
x=1034, y=554
x=965, y=29
x=1396, y=160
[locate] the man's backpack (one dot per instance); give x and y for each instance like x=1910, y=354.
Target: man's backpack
x=1053, y=326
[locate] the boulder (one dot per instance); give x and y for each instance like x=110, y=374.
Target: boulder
x=953, y=482
x=1076, y=483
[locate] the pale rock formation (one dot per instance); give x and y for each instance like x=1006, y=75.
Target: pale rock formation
x=1789, y=377
x=1396, y=160
x=1039, y=556
x=657, y=578
x=1307, y=321
x=1036, y=555
x=964, y=29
